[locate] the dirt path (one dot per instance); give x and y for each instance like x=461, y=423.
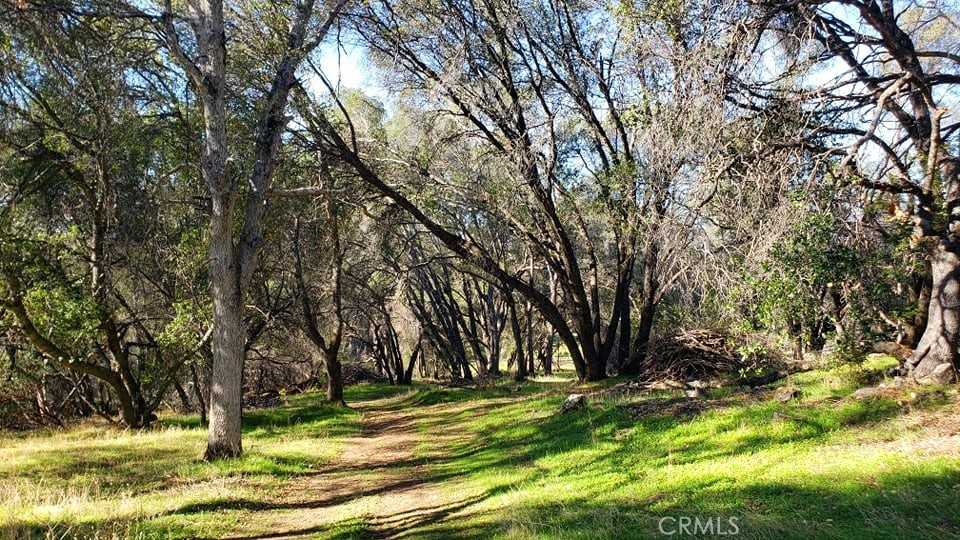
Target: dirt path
x=378, y=484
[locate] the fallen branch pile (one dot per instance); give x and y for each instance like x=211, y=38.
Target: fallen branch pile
x=355, y=372
x=691, y=354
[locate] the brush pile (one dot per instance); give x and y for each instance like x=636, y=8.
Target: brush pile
x=356, y=372
x=691, y=354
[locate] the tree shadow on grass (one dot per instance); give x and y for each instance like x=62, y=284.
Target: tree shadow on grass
x=305, y=410
x=393, y=525
x=372, y=391
x=115, y=468
x=134, y=464
x=144, y=464
x=896, y=505
x=517, y=440
x=512, y=434
x=324, y=501
x=426, y=395
x=901, y=506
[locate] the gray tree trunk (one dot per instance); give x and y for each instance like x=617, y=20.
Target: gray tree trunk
x=223, y=437
x=232, y=263
x=938, y=345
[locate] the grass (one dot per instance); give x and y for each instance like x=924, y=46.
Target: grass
x=825, y=465
x=98, y=480
x=820, y=467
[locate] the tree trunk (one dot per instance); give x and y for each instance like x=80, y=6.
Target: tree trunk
x=331, y=362
x=647, y=311
x=232, y=265
x=548, y=354
x=531, y=366
x=467, y=374
x=494, y=329
x=940, y=339
x=596, y=367
x=128, y=410
x=198, y=391
x=640, y=340
x=920, y=296
x=521, y=360
x=414, y=356
x=626, y=328
x=531, y=352
x=223, y=439
x=551, y=333
x=182, y=394
x=494, y=357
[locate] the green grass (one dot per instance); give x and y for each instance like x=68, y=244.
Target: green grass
x=825, y=465
x=96, y=479
x=820, y=467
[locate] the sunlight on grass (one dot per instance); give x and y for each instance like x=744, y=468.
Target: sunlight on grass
x=95, y=475
x=814, y=468
x=824, y=465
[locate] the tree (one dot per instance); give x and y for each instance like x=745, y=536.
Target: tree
x=328, y=346
x=883, y=112
x=233, y=258
x=83, y=116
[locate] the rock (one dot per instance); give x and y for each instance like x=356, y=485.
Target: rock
x=694, y=393
x=780, y=417
x=896, y=382
x=865, y=393
x=786, y=394
x=892, y=348
x=942, y=374
x=804, y=366
x=573, y=402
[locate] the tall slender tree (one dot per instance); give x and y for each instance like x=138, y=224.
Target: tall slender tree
x=203, y=56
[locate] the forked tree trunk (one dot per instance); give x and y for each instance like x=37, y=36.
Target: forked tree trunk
x=415, y=355
x=938, y=344
x=520, y=358
x=232, y=265
x=647, y=312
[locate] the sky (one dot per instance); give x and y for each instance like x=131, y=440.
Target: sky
x=346, y=65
